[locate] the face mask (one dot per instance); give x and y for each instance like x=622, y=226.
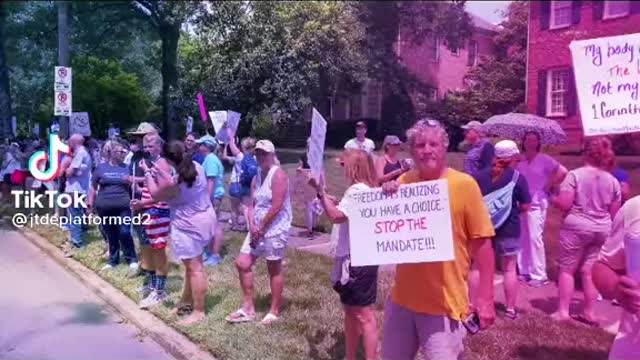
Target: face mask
x=146, y=154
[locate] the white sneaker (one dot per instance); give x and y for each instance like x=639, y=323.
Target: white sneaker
x=156, y=297
x=107, y=267
x=134, y=266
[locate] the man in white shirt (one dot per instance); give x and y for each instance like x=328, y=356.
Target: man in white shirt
x=617, y=276
x=360, y=142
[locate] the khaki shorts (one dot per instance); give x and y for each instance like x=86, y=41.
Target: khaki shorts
x=271, y=248
x=579, y=249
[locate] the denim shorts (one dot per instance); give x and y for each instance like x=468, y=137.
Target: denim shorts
x=271, y=248
x=506, y=246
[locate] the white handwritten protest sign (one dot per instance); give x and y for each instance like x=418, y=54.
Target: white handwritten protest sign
x=79, y=124
x=410, y=226
x=218, y=118
x=607, y=79
x=232, y=121
x=315, y=153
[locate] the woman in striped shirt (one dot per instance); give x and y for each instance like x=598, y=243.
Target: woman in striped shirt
x=156, y=223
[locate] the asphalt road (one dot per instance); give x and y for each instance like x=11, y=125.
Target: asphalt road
x=47, y=314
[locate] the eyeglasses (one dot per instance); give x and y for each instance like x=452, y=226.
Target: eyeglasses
x=429, y=122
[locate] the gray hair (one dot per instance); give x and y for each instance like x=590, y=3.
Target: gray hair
x=154, y=137
x=422, y=126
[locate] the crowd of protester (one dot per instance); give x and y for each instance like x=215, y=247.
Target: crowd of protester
x=498, y=203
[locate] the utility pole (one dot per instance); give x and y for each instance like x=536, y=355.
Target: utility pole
x=63, y=54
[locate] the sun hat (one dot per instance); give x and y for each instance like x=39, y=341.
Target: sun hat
x=391, y=140
x=506, y=149
x=472, y=125
x=266, y=146
x=143, y=129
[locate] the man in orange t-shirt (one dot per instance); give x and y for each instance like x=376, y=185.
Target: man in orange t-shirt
x=429, y=300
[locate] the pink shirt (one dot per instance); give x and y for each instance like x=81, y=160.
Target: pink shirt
x=626, y=224
x=595, y=190
x=537, y=172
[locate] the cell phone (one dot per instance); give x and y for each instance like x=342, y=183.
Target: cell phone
x=472, y=323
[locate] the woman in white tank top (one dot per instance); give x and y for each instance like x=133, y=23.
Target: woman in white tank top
x=269, y=217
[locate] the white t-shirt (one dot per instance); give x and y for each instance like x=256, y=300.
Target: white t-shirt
x=626, y=223
x=341, y=231
x=367, y=145
x=237, y=168
x=10, y=164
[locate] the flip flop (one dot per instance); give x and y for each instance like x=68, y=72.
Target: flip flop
x=240, y=316
x=584, y=320
x=269, y=319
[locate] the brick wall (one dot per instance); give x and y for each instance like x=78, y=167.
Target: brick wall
x=549, y=49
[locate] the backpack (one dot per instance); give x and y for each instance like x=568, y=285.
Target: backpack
x=249, y=167
x=500, y=202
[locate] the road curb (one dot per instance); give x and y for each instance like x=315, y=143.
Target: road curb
x=173, y=342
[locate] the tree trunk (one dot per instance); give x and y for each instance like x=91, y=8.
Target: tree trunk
x=5, y=90
x=170, y=34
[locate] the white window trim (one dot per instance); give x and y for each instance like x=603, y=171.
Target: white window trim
x=552, y=18
x=548, y=102
x=607, y=16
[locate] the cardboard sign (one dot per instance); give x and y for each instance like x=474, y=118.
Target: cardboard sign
x=233, y=119
x=315, y=152
x=79, y=124
x=607, y=81
x=410, y=226
x=62, y=103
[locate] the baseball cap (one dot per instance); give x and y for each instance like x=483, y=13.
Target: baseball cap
x=506, y=149
x=266, y=146
x=143, y=129
x=361, y=124
x=207, y=140
x=391, y=140
x=472, y=125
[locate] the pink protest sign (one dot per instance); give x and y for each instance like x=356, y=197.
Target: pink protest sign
x=203, y=109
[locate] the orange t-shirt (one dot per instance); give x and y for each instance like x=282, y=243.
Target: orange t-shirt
x=440, y=288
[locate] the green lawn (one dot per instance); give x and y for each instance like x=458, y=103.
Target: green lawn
x=312, y=316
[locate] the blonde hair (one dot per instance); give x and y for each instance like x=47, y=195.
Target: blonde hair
x=153, y=137
x=598, y=151
x=248, y=143
x=359, y=167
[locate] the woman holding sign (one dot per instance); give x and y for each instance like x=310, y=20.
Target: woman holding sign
x=357, y=286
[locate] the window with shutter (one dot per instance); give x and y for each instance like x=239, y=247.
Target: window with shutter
x=615, y=9
x=432, y=47
x=557, y=92
x=561, y=14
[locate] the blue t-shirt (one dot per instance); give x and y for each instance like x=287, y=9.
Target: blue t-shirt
x=479, y=157
x=621, y=175
x=213, y=168
x=197, y=157
x=511, y=227
x=113, y=188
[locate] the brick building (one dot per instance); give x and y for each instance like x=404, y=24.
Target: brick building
x=440, y=68
x=552, y=26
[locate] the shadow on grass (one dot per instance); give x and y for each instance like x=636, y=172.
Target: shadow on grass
x=335, y=351
x=541, y=352
x=550, y=304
